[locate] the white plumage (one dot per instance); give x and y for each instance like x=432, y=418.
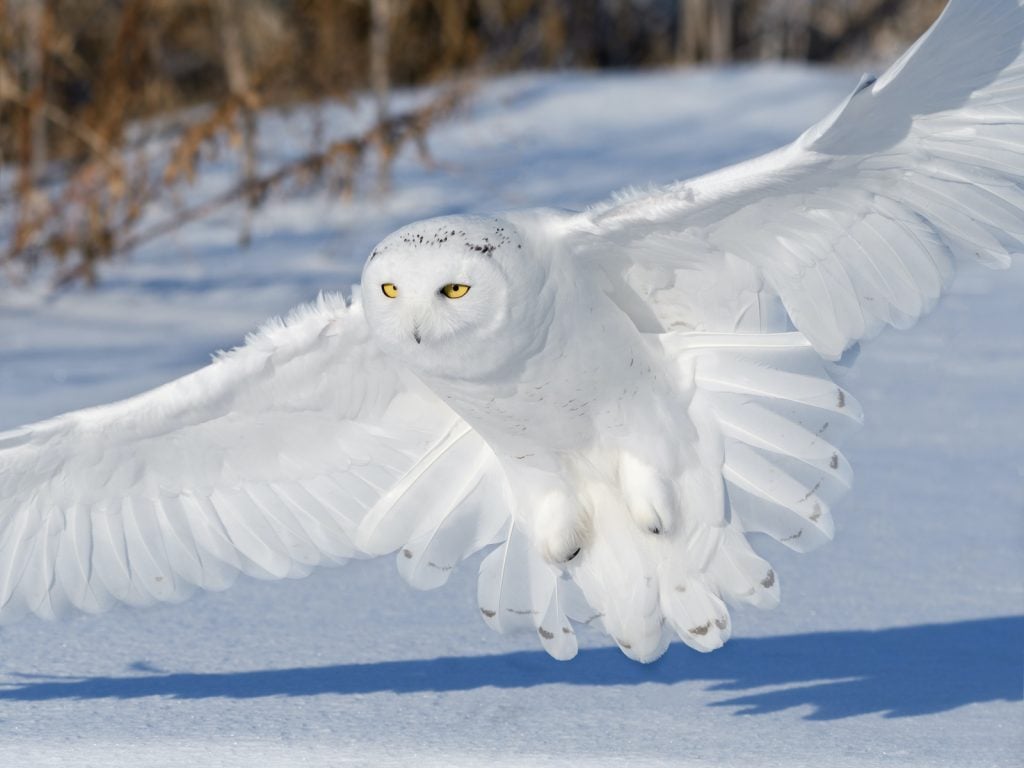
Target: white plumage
x=614, y=398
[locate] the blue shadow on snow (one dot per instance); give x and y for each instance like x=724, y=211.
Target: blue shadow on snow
x=900, y=672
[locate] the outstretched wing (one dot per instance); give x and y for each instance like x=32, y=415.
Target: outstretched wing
x=858, y=223
x=265, y=462
x=855, y=226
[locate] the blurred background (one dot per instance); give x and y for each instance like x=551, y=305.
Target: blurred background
x=109, y=109
x=173, y=172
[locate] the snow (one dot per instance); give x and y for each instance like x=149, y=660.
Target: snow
x=898, y=644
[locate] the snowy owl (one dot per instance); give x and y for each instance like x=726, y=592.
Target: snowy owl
x=609, y=400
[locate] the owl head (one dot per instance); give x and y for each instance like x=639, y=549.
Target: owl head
x=456, y=296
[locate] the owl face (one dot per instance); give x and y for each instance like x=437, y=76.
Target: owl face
x=437, y=294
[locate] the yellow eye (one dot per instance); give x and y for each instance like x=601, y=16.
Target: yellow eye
x=390, y=290
x=455, y=290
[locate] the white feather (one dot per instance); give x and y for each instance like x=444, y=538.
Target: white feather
x=913, y=169
x=258, y=463
x=628, y=390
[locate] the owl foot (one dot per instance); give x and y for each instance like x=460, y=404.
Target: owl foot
x=560, y=527
x=651, y=500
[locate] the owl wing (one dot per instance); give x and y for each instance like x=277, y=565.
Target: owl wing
x=746, y=278
x=858, y=223
x=306, y=446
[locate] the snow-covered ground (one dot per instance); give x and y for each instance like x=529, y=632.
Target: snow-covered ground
x=899, y=644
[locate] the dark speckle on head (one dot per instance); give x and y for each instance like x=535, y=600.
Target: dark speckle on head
x=441, y=234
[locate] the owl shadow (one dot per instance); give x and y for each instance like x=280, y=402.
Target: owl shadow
x=900, y=672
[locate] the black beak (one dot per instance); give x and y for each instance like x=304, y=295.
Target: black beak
x=416, y=335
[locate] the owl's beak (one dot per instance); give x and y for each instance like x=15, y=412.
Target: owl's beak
x=416, y=335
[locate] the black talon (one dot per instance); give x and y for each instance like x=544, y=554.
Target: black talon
x=573, y=555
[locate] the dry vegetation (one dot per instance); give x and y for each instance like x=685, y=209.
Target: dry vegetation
x=89, y=87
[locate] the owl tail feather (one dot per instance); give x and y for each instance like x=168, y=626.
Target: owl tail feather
x=768, y=418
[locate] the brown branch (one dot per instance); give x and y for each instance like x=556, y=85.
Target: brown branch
x=110, y=239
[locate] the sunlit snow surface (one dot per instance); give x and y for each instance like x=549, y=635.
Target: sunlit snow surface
x=899, y=644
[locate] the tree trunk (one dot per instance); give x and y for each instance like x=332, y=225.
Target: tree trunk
x=236, y=69
x=380, y=80
x=35, y=82
x=720, y=37
x=705, y=30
